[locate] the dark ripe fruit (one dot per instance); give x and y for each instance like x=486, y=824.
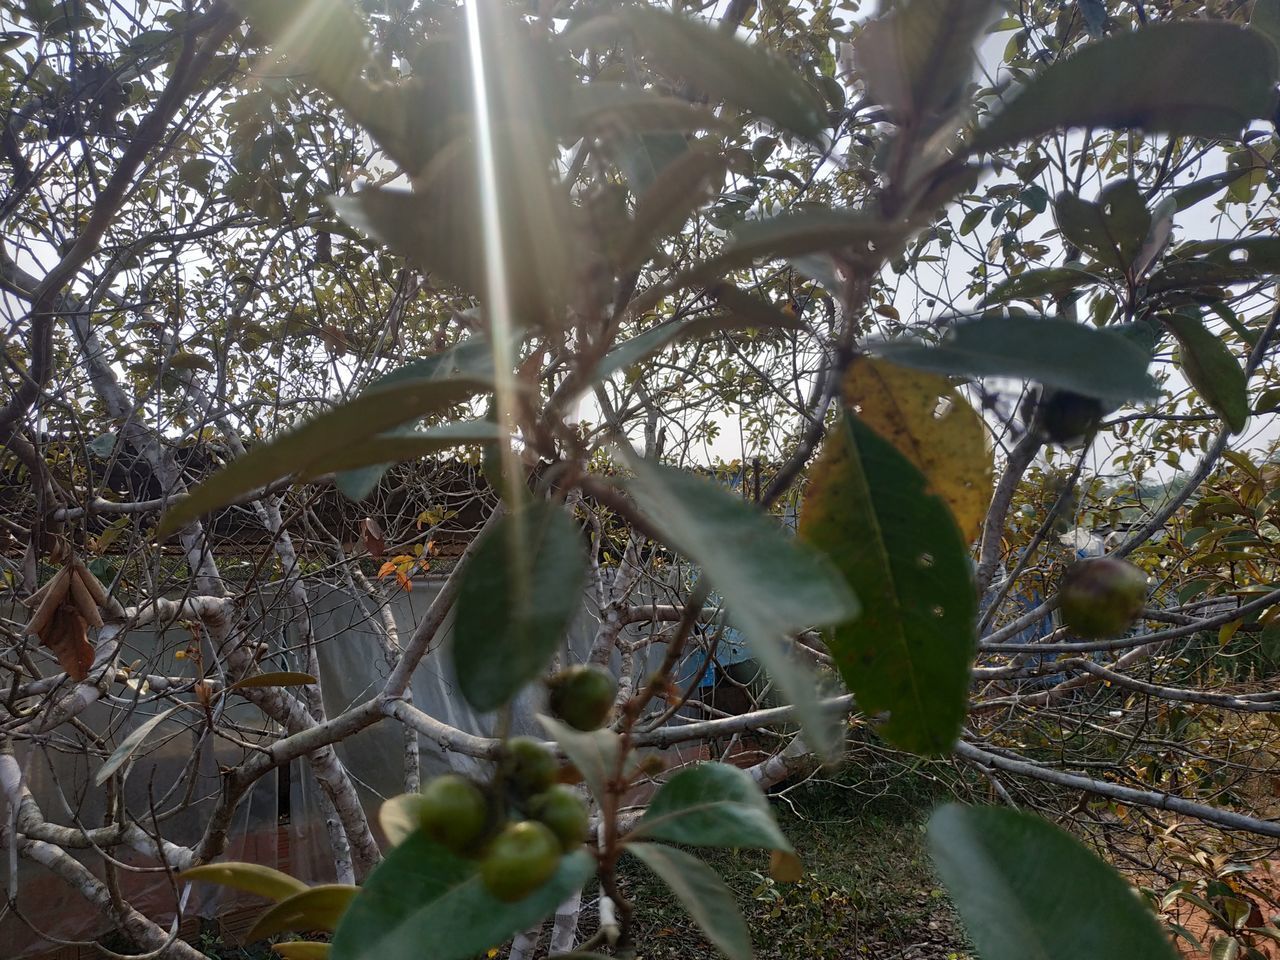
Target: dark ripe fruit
x=453, y=812
x=1101, y=597
x=561, y=809
x=520, y=860
x=582, y=696
x=528, y=766
x=1066, y=417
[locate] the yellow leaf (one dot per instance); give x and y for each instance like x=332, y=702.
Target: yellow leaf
x=316, y=908
x=387, y=568
x=251, y=877
x=1227, y=631
x=932, y=425
x=785, y=867
x=301, y=950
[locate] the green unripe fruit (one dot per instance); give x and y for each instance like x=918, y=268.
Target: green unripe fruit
x=561, y=809
x=520, y=860
x=453, y=812
x=528, y=766
x=1100, y=598
x=582, y=696
x=1066, y=417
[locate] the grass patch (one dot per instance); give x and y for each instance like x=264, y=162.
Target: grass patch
x=868, y=889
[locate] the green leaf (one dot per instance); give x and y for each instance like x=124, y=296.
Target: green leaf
x=721, y=65
x=918, y=59
x=972, y=219
x=437, y=226
x=12, y=39
x=1095, y=16
x=746, y=310
x=423, y=895
x=899, y=548
x=1261, y=255
x=103, y=445
x=306, y=449
x=412, y=444
x=317, y=908
x=642, y=157
x=805, y=232
x=1113, y=230
x=675, y=193
x=1033, y=284
x=642, y=346
x=1192, y=193
x=326, y=38
x=772, y=585
x=1211, y=368
x=1025, y=888
x=361, y=466
x=250, y=877
x=276, y=678
x=69, y=21
x=594, y=752
x=702, y=893
x=1059, y=353
x=1140, y=79
x=711, y=805
x=743, y=310
x=1265, y=19
x=129, y=745
x=195, y=172
x=611, y=107
x=519, y=593
x=1197, y=275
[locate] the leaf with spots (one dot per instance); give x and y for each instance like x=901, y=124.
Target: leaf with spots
x=931, y=424
x=900, y=550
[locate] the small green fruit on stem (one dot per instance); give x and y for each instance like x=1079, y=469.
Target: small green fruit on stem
x=520, y=860
x=527, y=766
x=1067, y=418
x=453, y=812
x=561, y=809
x=582, y=696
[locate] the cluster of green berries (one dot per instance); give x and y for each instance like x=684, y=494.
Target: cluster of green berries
x=519, y=825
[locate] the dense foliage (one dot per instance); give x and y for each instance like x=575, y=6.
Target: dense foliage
x=980, y=290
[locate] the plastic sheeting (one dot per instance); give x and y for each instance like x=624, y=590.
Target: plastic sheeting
x=175, y=774
x=180, y=763
x=353, y=668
